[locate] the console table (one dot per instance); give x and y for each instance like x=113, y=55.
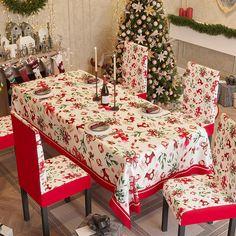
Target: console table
x=4, y=103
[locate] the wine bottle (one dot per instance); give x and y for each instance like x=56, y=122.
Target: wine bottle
x=104, y=92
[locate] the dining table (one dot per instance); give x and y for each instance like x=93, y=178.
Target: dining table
x=131, y=154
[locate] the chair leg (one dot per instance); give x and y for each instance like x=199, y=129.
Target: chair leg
x=232, y=225
x=181, y=230
x=67, y=199
x=165, y=209
x=210, y=138
x=45, y=226
x=88, y=198
x=25, y=204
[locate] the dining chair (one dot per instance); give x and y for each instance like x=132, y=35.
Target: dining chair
x=6, y=132
x=200, y=95
x=135, y=68
x=46, y=180
x=206, y=198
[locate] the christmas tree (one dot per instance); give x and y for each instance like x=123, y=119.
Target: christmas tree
x=145, y=23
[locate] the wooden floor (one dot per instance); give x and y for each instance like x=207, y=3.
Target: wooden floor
x=10, y=200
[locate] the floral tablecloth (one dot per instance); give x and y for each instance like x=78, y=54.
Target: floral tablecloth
x=134, y=157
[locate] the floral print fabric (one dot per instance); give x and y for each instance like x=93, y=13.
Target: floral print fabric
x=5, y=126
x=134, y=67
x=224, y=155
x=55, y=171
x=141, y=150
x=200, y=93
x=61, y=170
x=203, y=191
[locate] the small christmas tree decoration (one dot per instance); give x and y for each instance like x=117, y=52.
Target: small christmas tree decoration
x=145, y=23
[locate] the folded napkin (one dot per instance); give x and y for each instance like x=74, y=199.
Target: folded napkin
x=97, y=125
x=152, y=109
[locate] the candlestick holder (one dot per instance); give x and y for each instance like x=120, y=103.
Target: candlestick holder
x=96, y=97
x=115, y=107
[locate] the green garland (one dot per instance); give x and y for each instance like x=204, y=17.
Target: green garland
x=25, y=7
x=203, y=28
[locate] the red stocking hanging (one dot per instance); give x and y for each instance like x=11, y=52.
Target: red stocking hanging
x=34, y=65
x=59, y=62
x=23, y=73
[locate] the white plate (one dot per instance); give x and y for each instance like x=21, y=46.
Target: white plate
x=99, y=130
x=160, y=113
x=158, y=110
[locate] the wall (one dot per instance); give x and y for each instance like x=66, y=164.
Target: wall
x=205, y=11
x=84, y=24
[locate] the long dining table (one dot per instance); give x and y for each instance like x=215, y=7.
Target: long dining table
x=136, y=153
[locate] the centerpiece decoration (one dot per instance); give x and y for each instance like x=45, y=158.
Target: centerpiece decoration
x=25, y=7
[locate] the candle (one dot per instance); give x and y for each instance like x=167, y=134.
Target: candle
x=189, y=12
x=96, y=59
x=114, y=62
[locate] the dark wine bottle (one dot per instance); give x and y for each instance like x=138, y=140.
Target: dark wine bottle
x=104, y=92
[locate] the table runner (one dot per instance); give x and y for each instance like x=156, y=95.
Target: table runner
x=139, y=153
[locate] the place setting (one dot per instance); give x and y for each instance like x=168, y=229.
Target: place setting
x=98, y=128
x=43, y=93
x=154, y=110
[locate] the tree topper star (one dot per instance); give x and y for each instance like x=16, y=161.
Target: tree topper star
x=149, y=10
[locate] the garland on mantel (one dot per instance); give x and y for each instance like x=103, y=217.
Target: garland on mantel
x=24, y=7
x=203, y=28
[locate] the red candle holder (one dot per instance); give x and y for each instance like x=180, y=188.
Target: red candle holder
x=189, y=12
x=181, y=11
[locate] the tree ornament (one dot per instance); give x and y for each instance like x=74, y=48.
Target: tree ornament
x=25, y=7
x=139, y=22
x=149, y=10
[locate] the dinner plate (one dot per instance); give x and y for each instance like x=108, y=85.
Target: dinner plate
x=42, y=91
x=155, y=110
x=97, y=128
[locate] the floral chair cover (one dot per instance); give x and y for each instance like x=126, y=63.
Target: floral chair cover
x=200, y=92
x=5, y=126
x=213, y=195
x=55, y=171
x=134, y=67
x=6, y=132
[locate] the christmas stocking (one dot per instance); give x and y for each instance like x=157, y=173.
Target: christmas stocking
x=47, y=65
x=23, y=73
x=59, y=62
x=10, y=76
x=34, y=65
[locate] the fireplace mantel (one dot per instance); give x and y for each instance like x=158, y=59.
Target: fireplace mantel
x=218, y=43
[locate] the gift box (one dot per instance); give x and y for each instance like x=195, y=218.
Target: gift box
x=108, y=228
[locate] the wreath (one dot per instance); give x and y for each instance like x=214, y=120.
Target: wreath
x=25, y=7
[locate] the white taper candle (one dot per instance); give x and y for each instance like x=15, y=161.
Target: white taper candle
x=114, y=62
x=96, y=59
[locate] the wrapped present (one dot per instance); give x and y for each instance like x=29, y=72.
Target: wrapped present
x=5, y=231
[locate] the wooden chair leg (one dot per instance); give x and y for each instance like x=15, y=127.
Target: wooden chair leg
x=67, y=199
x=210, y=139
x=232, y=225
x=165, y=210
x=181, y=230
x=88, y=199
x=25, y=204
x=45, y=226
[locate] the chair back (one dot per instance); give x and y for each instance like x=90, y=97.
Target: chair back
x=29, y=157
x=135, y=67
x=200, y=92
x=224, y=154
